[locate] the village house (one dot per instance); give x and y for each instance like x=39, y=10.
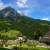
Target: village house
x=46, y=38
x=19, y=39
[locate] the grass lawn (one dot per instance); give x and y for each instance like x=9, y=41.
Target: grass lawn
x=26, y=48
x=43, y=48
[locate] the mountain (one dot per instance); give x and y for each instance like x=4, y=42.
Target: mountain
x=32, y=28
x=9, y=13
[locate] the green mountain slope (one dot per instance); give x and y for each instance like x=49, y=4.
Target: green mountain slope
x=32, y=28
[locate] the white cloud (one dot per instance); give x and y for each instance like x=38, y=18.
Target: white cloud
x=22, y=3
x=19, y=11
x=22, y=12
x=28, y=6
x=2, y=5
x=45, y=19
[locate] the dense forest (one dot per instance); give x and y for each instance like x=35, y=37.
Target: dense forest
x=13, y=24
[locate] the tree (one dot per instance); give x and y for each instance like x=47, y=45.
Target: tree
x=9, y=35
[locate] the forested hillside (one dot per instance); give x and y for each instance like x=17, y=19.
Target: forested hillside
x=32, y=28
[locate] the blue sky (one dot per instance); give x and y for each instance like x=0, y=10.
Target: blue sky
x=39, y=9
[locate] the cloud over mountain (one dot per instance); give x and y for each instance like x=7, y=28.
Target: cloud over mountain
x=45, y=19
x=33, y=8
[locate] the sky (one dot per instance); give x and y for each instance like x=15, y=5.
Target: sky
x=38, y=9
